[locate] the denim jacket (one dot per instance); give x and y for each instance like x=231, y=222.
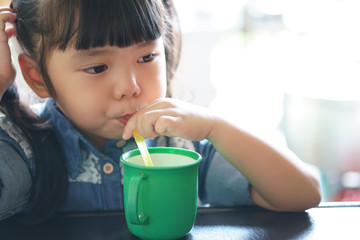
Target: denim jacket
x=95, y=178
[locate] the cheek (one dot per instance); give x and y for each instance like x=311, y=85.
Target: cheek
x=80, y=103
x=154, y=88
x=76, y=99
x=161, y=82
x=73, y=100
x=80, y=106
x=87, y=118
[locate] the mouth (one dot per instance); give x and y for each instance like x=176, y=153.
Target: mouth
x=124, y=119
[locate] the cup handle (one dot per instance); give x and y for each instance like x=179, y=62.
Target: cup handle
x=133, y=201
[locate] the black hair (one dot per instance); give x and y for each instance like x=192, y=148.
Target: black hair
x=95, y=23
x=45, y=25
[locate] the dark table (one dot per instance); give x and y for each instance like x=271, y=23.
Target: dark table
x=328, y=221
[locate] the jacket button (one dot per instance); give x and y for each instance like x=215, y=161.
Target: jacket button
x=108, y=168
x=120, y=143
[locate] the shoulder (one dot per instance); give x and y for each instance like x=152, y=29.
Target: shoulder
x=15, y=181
x=11, y=162
x=14, y=136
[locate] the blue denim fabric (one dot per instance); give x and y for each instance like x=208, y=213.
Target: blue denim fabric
x=16, y=168
x=95, y=178
x=15, y=181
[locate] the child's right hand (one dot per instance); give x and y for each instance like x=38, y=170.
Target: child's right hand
x=7, y=70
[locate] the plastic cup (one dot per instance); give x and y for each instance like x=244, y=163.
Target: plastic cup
x=161, y=200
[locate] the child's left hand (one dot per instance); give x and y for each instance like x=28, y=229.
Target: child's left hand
x=171, y=117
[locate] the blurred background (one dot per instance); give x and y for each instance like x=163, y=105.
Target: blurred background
x=288, y=70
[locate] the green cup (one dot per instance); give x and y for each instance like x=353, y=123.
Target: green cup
x=161, y=201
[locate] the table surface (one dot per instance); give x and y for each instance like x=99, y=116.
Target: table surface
x=328, y=221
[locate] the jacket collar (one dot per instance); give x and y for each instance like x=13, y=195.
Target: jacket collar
x=72, y=141
x=68, y=137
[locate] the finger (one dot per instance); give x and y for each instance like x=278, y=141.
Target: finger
x=145, y=131
x=144, y=122
x=129, y=128
x=160, y=103
x=5, y=8
x=6, y=17
x=11, y=32
x=167, y=125
x=6, y=33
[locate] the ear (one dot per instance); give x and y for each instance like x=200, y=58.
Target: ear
x=32, y=76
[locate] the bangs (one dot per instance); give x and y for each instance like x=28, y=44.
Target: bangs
x=96, y=23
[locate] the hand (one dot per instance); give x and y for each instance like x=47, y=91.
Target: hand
x=171, y=117
x=7, y=70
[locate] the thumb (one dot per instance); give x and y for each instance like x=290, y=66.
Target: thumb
x=129, y=128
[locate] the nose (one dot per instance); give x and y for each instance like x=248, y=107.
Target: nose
x=126, y=87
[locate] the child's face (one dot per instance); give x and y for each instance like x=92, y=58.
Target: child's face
x=100, y=88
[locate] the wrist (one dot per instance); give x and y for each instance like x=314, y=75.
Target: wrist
x=216, y=125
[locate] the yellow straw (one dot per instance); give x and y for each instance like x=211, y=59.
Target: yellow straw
x=142, y=147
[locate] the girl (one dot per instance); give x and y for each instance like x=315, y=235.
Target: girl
x=104, y=67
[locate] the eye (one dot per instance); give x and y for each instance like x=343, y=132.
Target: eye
x=147, y=58
x=96, y=69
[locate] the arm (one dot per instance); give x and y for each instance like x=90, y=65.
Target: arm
x=280, y=180
x=7, y=71
x=15, y=181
